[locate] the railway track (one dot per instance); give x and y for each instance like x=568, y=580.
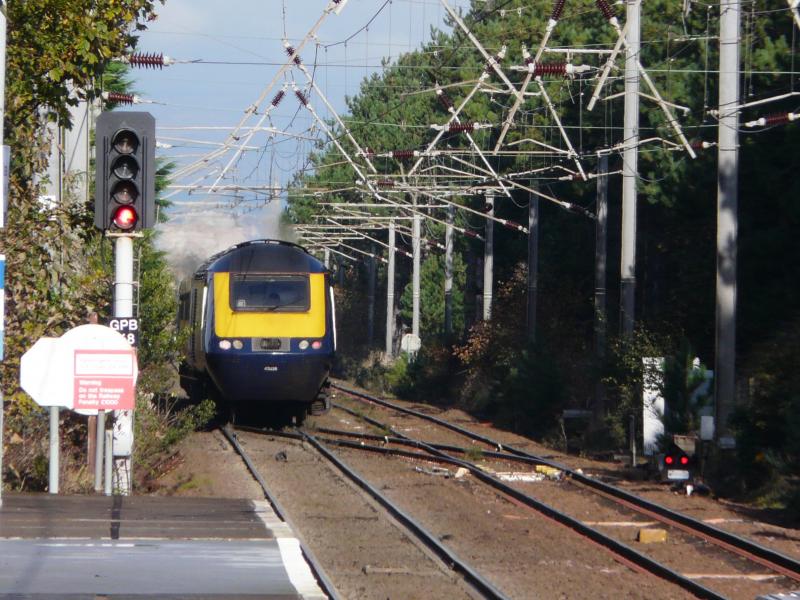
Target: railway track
x=448, y=558
x=779, y=563
x=319, y=574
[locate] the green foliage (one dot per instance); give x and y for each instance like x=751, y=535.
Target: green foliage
x=624, y=376
x=681, y=386
x=768, y=446
x=427, y=376
x=159, y=425
x=432, y=296
x=531, y=398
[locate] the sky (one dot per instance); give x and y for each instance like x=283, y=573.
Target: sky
x=240, y=44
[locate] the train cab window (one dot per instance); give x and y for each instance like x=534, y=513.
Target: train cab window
x=268, y=293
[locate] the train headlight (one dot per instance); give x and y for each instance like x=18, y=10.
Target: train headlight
x=225, y=344
x=238, y=344
x=316, y=344
x=303, y=344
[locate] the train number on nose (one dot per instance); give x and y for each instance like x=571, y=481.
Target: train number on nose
x=271, y=368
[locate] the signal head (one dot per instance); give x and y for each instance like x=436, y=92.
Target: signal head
x=125, y=218
x=125, y=176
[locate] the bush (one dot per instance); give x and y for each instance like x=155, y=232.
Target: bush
x=766, y=424
x=161, y=424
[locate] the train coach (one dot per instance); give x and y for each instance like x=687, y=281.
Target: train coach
x=259, y=321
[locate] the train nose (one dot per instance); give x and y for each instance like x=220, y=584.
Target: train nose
x=275, y=377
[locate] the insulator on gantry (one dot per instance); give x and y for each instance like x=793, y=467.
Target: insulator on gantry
x=558, y=8
x=385, y=183
x=147, y=61
x=779, y=119
x=296, y=60
x=119, y=97
x=278, y=97
x=401, y=154
x=301, y=96
x=459, y=127
x=549, y=69
x=445, y=100
x=606, y=9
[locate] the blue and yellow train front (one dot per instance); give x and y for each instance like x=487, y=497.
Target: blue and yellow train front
x=270, y=337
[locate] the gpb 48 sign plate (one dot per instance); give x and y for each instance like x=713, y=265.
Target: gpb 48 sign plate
x=128, y=327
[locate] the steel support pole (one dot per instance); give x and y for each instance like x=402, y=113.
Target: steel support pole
x=99, y=451
x=416, y=251
x=390, y=294
x=123, y=422
x=630, y=157
x=448, y=273
x=54, y=468
x=600, y=255
x=727, y=223
x=108, y=463
x=371, y=269
x=533, y=265
x=488, y=260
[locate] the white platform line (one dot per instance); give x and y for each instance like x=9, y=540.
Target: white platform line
x=294, y=562
x=298, y=570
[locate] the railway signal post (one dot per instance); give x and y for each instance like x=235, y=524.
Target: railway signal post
x=124, y=207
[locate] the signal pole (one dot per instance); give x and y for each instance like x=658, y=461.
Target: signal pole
x=727, y=220
x=123, y=307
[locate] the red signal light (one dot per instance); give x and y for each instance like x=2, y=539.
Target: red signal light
x=669, y=460
x=684, y=460
x=125, y=218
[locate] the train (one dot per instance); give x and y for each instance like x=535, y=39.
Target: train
x=260, y=326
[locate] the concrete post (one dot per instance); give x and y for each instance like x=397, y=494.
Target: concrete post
x=533, y=265
x=371, y=272
x=601, y=235
x=390, y=294
x=415, y=284
x=448, y=274
x=630, y=157
x=488, y=260
x=727, y=217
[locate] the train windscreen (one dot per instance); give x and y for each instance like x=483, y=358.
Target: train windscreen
x=255, y=292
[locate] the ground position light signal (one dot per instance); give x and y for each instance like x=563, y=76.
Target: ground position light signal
x=125, y=169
